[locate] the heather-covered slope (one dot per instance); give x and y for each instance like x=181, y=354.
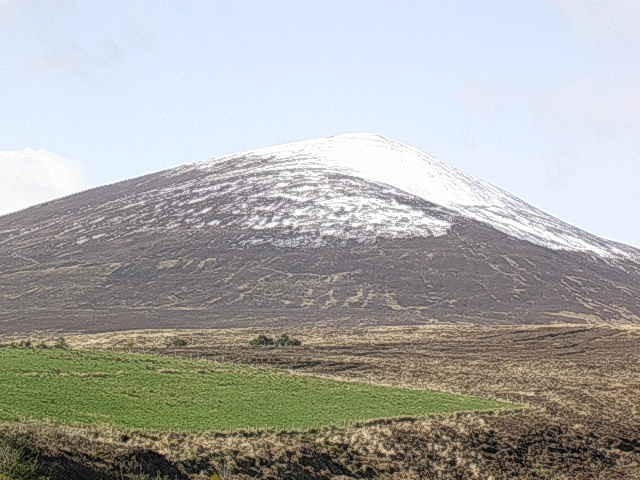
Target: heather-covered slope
x=346, y=229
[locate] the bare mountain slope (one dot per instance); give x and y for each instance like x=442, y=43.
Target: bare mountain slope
x=346, y=229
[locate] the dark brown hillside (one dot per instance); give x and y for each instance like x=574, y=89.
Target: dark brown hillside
x=201, y=279
x=302, y=234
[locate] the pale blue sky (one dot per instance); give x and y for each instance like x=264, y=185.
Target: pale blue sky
x=541, y=98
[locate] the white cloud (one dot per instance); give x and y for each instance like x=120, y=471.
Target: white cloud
x=29, y=177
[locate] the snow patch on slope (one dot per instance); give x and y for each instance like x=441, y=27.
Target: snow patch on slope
x=305, y=204
x=377, y=159
x=356, y=187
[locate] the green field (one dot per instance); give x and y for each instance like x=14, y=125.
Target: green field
x=161, y=393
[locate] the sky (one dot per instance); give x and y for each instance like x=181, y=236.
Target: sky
x=541, y=98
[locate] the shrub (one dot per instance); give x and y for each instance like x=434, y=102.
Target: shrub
x=262, y=341
x=176, y=342
x=283, y=340
x=286, y=341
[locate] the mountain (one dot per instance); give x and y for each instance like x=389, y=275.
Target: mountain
x=348, y=229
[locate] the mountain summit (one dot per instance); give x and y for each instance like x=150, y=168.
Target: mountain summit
x=300, y=174
x=352, y=228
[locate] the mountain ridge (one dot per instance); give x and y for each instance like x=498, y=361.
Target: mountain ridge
x=306, y=232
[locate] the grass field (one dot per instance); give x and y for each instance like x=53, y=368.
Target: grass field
x=133, y=391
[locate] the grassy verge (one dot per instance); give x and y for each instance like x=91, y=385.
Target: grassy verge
x=159, y=393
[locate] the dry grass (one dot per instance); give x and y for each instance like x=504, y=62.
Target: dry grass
x=581, y=368
x=583, y=384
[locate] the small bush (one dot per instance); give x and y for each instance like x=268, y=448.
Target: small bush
x=283, y=340
x=59, y=342
x=262, y=341
x=176, y=342
x=286, y=341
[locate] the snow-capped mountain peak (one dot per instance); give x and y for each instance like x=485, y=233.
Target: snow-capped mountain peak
x=354, y=228
x=376, y=158
x=382, y=161
x=354, y=187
